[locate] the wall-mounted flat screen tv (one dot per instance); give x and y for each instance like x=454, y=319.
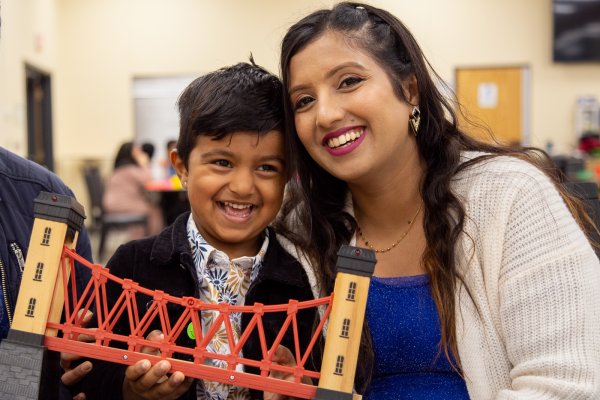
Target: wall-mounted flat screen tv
x=576, y=30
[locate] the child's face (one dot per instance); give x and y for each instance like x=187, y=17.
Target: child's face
x=235, y=187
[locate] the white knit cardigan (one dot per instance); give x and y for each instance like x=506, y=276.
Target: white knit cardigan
x=528, y=326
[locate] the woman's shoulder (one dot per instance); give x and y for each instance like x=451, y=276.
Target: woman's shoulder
x=499, y=185
x=481, y=161
x=501, y=172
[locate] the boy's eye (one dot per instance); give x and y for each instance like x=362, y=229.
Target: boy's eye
x=222, y=163
x=350, y=81
x=302, y=102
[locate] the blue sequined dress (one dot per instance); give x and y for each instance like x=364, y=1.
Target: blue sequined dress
x=405, y=329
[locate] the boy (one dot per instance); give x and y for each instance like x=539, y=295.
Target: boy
x=231, y=159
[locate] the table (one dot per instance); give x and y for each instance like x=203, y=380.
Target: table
x=170, y=197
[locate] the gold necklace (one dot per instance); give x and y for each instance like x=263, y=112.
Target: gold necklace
x=410, y=224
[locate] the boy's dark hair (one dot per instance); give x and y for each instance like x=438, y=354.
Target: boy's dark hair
x=242, y=97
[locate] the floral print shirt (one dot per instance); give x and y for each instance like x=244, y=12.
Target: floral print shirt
x=222, y=281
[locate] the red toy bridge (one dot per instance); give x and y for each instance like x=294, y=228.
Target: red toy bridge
x=75, y=307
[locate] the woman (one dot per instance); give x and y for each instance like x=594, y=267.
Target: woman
x=125, y=191
x=485, y=285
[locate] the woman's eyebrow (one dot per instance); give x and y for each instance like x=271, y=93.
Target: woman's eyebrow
x=297, y=88
x=339, y=67
x=329, y=74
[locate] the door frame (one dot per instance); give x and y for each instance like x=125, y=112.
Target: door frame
x=39, y=116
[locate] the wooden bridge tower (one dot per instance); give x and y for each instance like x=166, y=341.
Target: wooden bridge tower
x=58, y=220
x=354, y=268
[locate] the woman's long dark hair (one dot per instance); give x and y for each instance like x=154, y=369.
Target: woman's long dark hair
x=315, y=202
x=125, y=155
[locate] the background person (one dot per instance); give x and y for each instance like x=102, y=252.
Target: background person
x=167, y=166
x=125, y=189
x=148, y=148
x=485, y=285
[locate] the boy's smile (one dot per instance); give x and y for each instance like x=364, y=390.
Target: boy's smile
x=237, y=210
x=235, y=188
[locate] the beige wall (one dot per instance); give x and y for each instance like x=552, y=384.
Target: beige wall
x=28, y=35
x=94, y=48
x=465, y=33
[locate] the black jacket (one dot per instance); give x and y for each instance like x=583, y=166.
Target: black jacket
x=164, y=262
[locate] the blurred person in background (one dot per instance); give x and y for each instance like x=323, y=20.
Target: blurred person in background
x=125, y=189
x=148, y=148
x=167, y=166
x=153, y=164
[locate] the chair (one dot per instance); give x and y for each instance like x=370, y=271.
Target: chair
x=103, y=221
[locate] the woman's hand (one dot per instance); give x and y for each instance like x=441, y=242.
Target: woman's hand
x=283, y=356
x=71, y=376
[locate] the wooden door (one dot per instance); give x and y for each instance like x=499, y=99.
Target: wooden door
x=498, y=98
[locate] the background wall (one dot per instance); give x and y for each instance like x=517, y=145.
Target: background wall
x=94, y=48
x=28, y=35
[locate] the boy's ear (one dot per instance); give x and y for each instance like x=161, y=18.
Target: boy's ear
x=179, y=166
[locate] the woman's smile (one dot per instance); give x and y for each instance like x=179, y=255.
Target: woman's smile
x=341, y=144
x=347, y=113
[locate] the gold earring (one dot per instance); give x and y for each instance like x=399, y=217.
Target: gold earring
x=415, y=119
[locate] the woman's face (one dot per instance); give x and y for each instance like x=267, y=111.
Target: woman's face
x=346, y=112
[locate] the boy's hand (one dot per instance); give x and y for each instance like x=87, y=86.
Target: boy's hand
x=283, y=356
x=143, y=381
